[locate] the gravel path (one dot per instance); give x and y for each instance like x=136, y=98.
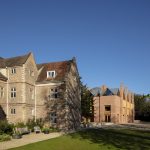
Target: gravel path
x=27, y=139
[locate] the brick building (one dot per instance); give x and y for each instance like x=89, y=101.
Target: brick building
x=113, y=105
x=50, y=91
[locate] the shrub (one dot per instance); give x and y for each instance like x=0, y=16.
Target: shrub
x=52, y=129
x=6, y=128
x=20, y=125
x=31, y=123
x=5, y=137
x=40, y=122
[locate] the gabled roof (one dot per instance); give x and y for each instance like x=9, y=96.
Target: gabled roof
x=95, y=91
x=61, y=68
x=2, y=77
x=108, y=92
x=114, y=91
x=14, y=61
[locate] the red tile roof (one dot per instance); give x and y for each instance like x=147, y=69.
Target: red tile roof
x=61, y=68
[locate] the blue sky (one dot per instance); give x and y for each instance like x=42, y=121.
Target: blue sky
x=109, y=38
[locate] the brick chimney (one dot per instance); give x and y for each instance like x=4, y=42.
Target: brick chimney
x=121, y=89
x=103, y=88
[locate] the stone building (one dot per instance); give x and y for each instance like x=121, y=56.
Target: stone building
x=113, y=105
x=50, y=91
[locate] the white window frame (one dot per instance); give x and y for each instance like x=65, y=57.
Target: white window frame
x=1, y=92
x=13, y=92
x=13, y=111
x=13, y=70
x=51, y=74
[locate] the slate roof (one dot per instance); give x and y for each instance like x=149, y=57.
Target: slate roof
x=13, y=61
x=61, y=68
x=114, y=90
x=2, y=77
x=97, y=90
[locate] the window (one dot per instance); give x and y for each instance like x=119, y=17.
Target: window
x=13, y=111
x=13, y=92
x=51, y=74
x=31, y=73
x=56, y=95
x=53, y=117
x=107, y=108
x=1, y=92
x=13, y=70
x=32, y=93
x=32, y=112
x=53, y=93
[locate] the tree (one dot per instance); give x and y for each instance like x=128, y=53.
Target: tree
x=142, y=107
x=86, y=102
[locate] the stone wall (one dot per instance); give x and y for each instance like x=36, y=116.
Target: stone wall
x=73, y=98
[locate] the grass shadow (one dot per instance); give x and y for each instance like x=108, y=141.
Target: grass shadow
x=119, y=139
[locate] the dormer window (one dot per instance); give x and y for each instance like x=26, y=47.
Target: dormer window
x=51, y=74
x=13, y=70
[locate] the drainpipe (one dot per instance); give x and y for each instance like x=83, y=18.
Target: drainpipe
x=99, y=109
x=99, y=106
x=7, y=107
x=35, y=102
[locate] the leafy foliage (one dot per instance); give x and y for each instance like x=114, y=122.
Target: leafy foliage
x=6, y=128
x=142, y=107
x=31, y=123
x=86, y=102
x=5, y=137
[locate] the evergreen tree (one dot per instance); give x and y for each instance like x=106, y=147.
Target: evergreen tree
x=86, y=103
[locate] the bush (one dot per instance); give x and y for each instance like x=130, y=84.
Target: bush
x=5, y=137
x=6, y=128
x=31, y=123
x=52, y=129
x=40, y=122
x=20, y=125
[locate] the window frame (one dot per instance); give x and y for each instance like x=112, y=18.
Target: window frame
x=53, y=118
x=13, y=111
x=13, y=70
x=1, y=92
x=32, y=93
x=51, y=74
x=13, y=93
x=53, y=91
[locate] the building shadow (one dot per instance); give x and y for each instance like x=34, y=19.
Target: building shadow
x=2, y=114
x=120, y=139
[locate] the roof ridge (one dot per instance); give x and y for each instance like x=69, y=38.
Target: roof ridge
x=54, y=62
x=18, y=56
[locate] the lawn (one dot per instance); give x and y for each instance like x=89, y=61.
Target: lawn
x=96, y=139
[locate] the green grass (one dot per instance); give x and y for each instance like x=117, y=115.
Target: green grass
x=96, y=139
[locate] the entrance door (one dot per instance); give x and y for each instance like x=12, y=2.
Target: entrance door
x=107, y=118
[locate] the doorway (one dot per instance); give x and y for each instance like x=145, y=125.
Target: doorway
x=107, y=118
